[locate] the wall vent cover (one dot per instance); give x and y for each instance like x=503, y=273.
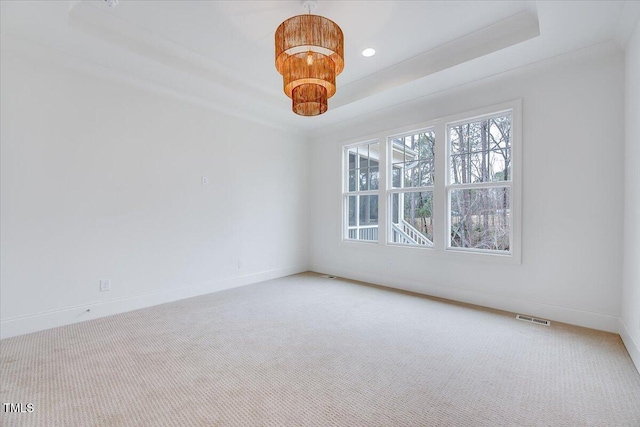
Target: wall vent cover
x=533, y=320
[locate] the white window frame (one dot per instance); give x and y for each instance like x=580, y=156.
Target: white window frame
x=441, y=188
x=514, y=185
x=357, y=193
x=390, y=190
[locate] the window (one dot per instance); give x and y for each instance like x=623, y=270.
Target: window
x=411, y=194
x=479, y=184
x=360, y=192
x=451, y=186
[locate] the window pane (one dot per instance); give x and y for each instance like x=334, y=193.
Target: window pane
x=364, y=179
x=411, y=174
x=364, y=160
x=426, y=172
x=480, y=151
x=489, y=166
x=368, y=210
x=352, y=210
x=396, y=176
x=480, y=218
x=426, y=142
x=397, y=153
x=411, y=218
x=500, y=132
x=352, y=180
x=410, y=155
x=395, y=212
x=500, y=164
x=412, y=162
x=374, y=154
x=352, y=158
x=363, y=218
x=373, y=179
x=373, y=203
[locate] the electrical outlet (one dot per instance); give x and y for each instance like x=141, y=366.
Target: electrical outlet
x=390, y=264
x=205, y=180
x=240, y=264
x=105, y=285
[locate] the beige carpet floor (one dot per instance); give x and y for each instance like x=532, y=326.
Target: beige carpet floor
x=308, y=351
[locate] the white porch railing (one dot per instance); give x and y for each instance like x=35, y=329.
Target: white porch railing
x=365, y=232
x=403, y=232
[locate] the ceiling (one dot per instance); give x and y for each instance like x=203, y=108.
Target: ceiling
x=220, y=54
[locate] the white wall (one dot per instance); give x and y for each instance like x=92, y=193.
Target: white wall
x=103, y=181
x=573, y=132
x=630, y=330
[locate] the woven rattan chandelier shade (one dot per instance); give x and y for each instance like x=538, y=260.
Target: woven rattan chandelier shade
x=309, y=55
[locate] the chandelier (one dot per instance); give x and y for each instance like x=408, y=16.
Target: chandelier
x=309, y=56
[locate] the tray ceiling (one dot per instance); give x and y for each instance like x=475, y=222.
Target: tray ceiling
x=220, y=53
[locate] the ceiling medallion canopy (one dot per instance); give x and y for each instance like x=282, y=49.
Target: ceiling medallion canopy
x=309, y=56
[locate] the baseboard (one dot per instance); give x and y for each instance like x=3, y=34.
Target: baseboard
x=604, y=322
x=632, y=346
x=51, y=319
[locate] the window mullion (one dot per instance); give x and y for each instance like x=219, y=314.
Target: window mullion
x=440, y=205
x=382, y=188
x=490, y=184
x=411, y=189
x=363, y=193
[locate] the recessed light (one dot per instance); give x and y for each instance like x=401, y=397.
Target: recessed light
x=368, y=52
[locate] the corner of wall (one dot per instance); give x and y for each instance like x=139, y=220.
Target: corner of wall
x=632, y=347
x=630, y=297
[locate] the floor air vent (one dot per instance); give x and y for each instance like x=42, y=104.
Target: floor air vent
x=533, y=320
x=326, y=276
